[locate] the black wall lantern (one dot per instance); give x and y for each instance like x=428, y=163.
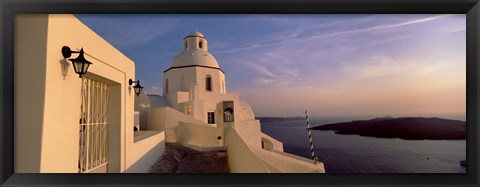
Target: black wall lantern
x=80, y=64
x=137, y=87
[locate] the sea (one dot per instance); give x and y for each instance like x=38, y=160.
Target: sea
x=358, y=154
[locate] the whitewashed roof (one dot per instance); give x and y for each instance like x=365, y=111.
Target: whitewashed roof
x=194, y=57
x=196, y=34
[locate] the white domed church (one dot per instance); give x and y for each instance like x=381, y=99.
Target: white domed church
x=196, y=72
x=197, y=112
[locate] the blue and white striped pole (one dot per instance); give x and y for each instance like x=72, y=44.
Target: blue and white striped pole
x=315, y=159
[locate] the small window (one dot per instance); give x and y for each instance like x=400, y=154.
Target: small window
x=166, y=86
x=200, y=45
x=211, y=117
x=208, y=83
x=188, y=110
x=185, y=45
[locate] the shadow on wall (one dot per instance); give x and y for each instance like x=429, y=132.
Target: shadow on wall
x=64, y=65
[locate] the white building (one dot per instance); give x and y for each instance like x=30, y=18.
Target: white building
x=67, y=124
x=197, y=112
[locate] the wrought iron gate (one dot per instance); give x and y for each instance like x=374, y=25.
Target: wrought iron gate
x=93, y=144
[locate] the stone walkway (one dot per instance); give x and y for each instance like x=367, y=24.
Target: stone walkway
x=179, y=159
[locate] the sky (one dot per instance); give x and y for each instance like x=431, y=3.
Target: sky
x=330, y=65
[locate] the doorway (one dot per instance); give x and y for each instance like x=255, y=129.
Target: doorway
x=94, y=120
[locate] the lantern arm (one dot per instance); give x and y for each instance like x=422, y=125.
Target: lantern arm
x=67, y=52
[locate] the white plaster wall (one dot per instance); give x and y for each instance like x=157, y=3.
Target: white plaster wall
x=217, y=78
x=250, y=131
x=108, y=63
x=240, y=158
x=271, y=143
x=210, y=100
x=201, y=135
x=156, y=119
x=174, y=77
x=181, y=79
x=192, y=43
x=199, y=111
x=167, y=119
x=289, y=163
x=243, y=142
x=246, y=110
x=264, y=161
x=51, y=125
x=146, y=152
x=182, y=97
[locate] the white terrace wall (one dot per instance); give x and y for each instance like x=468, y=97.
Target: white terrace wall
x=146, y=151
x=270, y=143
x=240, y=157
x=263, y=161
x=47, y=101
x=167, y=119
x=200, y=136
x=250, y=131
x=289, y=163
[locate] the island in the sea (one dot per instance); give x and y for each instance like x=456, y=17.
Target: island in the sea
x=408, y=128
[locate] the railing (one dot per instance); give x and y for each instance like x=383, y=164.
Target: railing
x=93, y=144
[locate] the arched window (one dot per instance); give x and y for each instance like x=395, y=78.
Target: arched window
x=166, y=86
x=208, y=83
x=185, y=45
x=200, y=45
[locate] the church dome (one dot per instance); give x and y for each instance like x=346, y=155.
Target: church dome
x=195, y=34
x=195, y=52
x=194, y=57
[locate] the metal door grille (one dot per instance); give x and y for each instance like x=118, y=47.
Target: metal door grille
x=93, y=144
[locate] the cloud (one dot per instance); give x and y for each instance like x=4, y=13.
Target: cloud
x=264, y=71
x=453, y=30
x=264, y=81
x=382, y=27
x=275, y=75
x=377, y=66
x=291, y=35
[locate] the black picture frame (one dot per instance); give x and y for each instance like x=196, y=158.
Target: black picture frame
x=9, y=8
